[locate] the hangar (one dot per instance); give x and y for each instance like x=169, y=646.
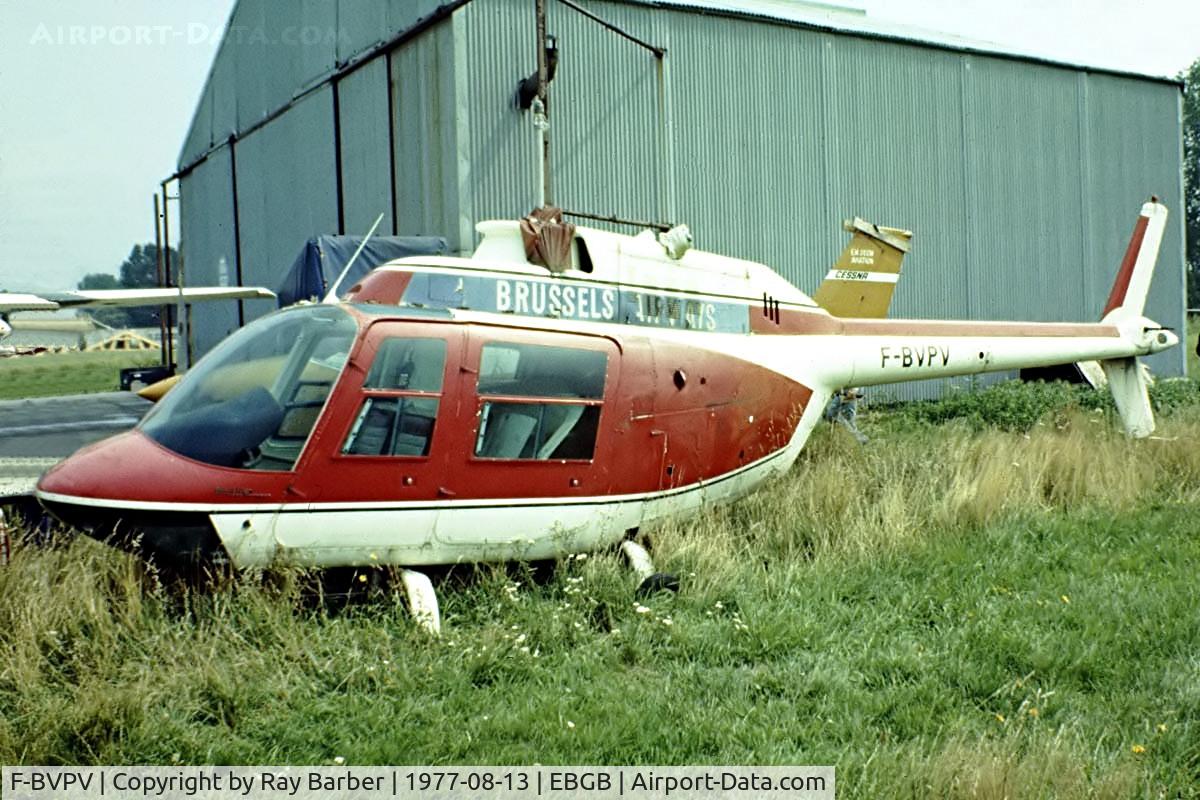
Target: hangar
x=760, y=124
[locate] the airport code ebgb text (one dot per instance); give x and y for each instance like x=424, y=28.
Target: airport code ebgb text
x=403, y=783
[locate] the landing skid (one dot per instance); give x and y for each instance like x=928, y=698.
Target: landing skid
x=422, y=601
x=643, y=566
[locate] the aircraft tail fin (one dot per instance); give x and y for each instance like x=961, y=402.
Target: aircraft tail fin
x=863, y=280
x=1126, y=303
x=1128, y=296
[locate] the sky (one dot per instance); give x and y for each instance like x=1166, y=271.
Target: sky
x=1157, y=37
x=96, y=97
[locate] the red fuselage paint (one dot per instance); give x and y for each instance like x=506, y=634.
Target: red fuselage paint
x=654, y=434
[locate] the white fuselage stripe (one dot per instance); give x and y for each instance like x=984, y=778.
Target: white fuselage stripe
x=401, y=505
x=799, y=301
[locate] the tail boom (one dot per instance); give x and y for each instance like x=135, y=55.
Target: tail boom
x=943, y=350
x=872, y=352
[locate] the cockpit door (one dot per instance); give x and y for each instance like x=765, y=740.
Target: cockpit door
x=373, y=492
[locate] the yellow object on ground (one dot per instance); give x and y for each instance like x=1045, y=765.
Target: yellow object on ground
x=155, y=391
x=125, y=340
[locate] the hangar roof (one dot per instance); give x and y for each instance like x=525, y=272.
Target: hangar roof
x=851, y=17
x=380, y=25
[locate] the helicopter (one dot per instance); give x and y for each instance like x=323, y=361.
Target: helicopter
x=551, y=394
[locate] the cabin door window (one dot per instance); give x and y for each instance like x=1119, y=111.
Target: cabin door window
x=539, y=402
x=403, y=391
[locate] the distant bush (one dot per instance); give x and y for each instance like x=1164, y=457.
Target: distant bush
x=1019, y=405
x=1170, y=394
x=1011, y=406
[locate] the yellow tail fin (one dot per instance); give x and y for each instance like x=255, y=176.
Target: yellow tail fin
x=863, y=280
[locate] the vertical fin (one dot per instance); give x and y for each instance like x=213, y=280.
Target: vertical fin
x=863, y=280
x=1128, y=296
x=1127, y=299
x=1126, y=302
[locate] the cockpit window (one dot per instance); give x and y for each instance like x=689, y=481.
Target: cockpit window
x=413, y=365
x=253, y=401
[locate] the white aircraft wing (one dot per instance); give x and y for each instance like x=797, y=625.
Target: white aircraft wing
x=149, y=297
x=25, y=302
x=49, y=301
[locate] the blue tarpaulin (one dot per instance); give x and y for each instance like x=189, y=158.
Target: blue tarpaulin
x=323, y=258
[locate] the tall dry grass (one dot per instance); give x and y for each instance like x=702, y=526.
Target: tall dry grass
x=846, y=500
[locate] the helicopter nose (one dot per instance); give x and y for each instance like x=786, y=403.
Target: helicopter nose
x=113, y=491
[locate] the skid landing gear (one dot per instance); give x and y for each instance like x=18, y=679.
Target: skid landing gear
x=422, y=601
x=640, y=562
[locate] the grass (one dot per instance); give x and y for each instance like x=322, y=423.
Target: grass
x=956, y=610
x=68, y=373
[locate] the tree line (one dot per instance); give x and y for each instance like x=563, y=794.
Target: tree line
x=139, y=270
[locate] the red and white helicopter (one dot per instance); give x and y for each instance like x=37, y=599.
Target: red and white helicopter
x=494, y=408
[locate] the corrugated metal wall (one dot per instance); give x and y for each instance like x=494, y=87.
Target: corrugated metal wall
x=501, y=169
x=428, y=135
x=265, y=91
x=287, y=191
x=1020, y=174
x=272, y=49
x=1134, y=151
x=275, y=49
x=606, y=126
x=1021, y=180
x=366, y=173
x=365, y=23
x=209, y=250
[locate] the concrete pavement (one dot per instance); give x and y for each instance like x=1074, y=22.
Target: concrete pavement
x=37, y=432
